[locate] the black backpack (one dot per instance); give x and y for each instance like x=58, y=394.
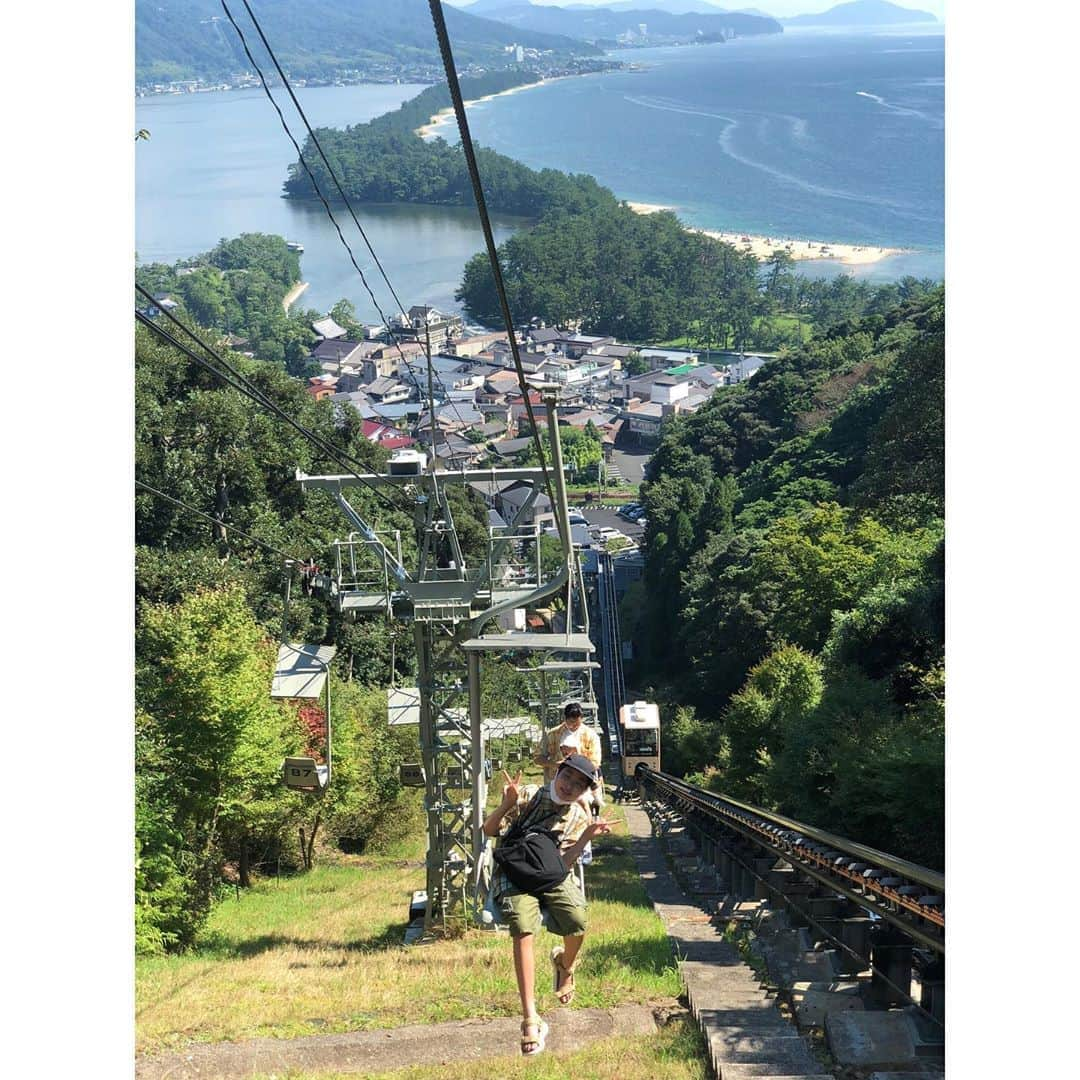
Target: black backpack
x=529, y=856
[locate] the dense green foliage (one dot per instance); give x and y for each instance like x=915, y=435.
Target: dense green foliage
x=319, y=39
x=384, y=160
x=795, y=579
x=209, y=747
x=209, y=740
x=238, y=288
x=581, y=451
x=646, y=278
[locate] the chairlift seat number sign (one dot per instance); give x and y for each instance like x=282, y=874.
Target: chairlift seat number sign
x=412, y=775
x=302, y=772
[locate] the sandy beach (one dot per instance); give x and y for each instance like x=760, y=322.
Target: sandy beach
x=764, y=246
x=293, y=295
x=446, y=116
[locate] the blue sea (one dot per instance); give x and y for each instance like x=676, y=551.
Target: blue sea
x=811, y=135
x=822, y=136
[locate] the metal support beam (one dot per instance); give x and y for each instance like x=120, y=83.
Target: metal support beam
x=335, y=482
x=479, y=791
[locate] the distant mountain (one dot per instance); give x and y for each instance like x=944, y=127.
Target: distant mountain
x=672, y=7
x=186, y=39
x=604, y=25
x=486, y=7
x=863, y=13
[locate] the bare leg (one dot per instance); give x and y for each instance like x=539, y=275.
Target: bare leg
x=571, y=947
x=524, y=969
x=569, y=952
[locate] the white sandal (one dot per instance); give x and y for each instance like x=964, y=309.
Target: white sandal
x=565, y=992
x=540, y=1039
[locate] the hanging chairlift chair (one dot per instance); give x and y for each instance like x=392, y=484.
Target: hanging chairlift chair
x=301, y=674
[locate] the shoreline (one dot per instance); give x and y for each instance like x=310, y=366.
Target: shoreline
x=763, y=246
x=445, y=116
x=293, y=295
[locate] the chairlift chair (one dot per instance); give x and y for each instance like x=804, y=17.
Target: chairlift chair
x=301, y=675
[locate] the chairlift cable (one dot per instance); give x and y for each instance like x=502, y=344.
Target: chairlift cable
x=319, y=191
x=242, y=385
x=239, y=383
x=217, y=521
x=485, y=223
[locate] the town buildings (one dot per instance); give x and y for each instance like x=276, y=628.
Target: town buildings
x=622, y=391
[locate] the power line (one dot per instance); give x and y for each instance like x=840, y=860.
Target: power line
x=318, y=189
x=241, y=384
x=485, y=223
x=216, y=521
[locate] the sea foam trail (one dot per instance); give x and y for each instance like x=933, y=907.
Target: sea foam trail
x=726, y=143
x=902, y=110
x=798, y=124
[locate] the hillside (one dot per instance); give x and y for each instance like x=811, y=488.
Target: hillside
x=320, y=39
x=794, y=579
x=604, y=25
x=863, y=13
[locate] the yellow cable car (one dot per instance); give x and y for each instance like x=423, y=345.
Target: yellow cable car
x=639, y=730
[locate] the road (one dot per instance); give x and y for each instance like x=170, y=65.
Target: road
x=630, y=462
x=613, y=521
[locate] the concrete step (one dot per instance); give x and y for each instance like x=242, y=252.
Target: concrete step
x=365, y=1052
x=735, y=1071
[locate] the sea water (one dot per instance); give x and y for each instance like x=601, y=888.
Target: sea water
x=214, y=166
x=821, y=136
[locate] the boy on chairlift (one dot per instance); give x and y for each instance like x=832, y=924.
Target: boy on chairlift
x=549, y=829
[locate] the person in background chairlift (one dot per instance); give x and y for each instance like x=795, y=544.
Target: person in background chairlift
x=550, y=755
x=569, y=744
x=556, y=808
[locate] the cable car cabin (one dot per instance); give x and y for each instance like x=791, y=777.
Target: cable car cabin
x=640, y=724
x=301, y=676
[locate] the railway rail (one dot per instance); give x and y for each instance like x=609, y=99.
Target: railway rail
x=909, y=897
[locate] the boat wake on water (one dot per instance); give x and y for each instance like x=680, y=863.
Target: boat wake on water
x=902, y=110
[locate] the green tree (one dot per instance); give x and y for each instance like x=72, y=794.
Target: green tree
x=779, y=694
x=212, y=741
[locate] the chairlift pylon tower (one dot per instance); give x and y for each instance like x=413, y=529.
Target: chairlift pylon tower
x=451, y=606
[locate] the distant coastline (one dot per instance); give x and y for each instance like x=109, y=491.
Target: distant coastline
x=445, y=116
x=763, y=246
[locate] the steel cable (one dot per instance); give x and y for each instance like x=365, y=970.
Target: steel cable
x=319, y=191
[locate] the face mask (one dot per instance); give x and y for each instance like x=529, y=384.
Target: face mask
x=560, y=801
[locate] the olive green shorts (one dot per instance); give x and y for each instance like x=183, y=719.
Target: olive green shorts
x=565, y=907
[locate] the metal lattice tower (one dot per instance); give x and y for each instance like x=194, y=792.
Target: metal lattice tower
x=452, y=608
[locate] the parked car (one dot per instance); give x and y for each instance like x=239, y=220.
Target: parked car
x=642, y=521
x=604, y=533
x=627, y=511
x=577, y=518
x=636, y=514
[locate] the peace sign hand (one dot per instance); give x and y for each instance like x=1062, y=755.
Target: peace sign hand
x=511, y=790
x=599, y=827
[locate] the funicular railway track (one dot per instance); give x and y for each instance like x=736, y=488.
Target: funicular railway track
x=851, y=938
x=909, y=897
x=610, y=650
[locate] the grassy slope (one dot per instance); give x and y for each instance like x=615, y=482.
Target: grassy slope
x=321, y=953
